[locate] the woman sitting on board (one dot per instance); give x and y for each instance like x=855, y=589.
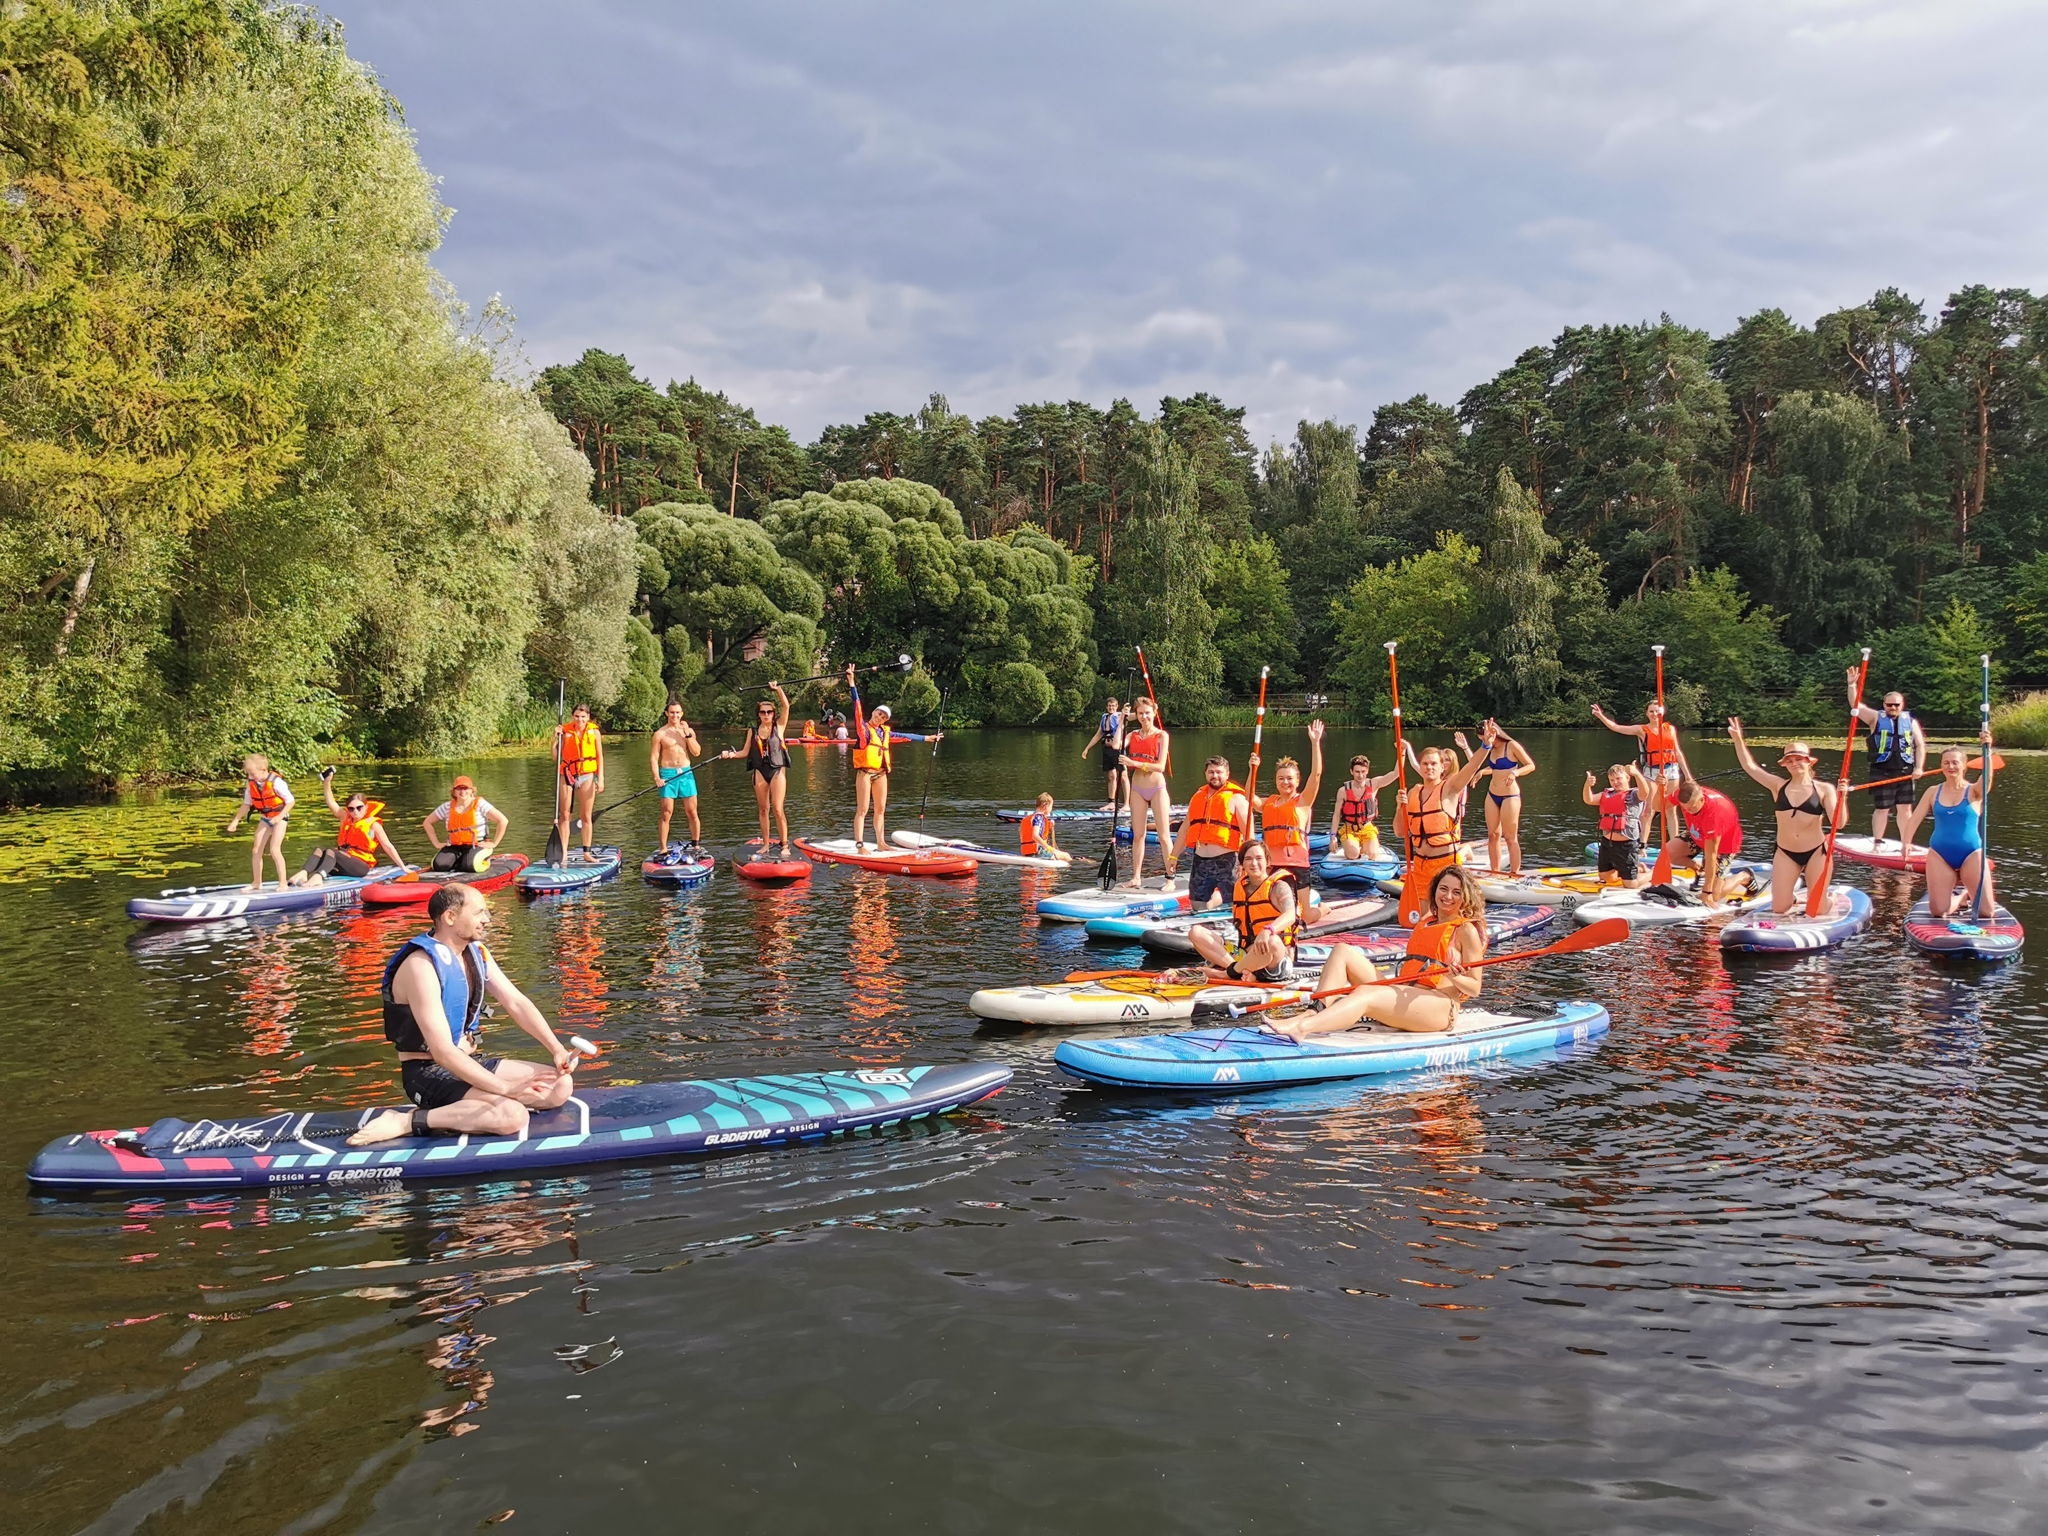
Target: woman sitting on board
x=1145, y=755
x=1354, y=825
x=1955, y=851
x=267, y=797
x=1507, y=763
x=767, y=755
x=1433, y=982
x=356, y=845
x=1286, y=815
x=1805, y=808
x=1267, y=921
x=475, y=827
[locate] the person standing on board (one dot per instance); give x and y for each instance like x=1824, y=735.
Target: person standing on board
x=433, y=993
x=1663, y=760
x=474, y=826
x=267, y=797
x=1507, y=763
x=1805, y=809
x=1144, y=755
x=1109, y=731
x=1897, y=747
x=668, y=759
x=1218, y=820
x=873, y=762
x=579, y=772
x=1286, y=815
x=767, y=755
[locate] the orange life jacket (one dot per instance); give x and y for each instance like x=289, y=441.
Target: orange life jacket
x=1660, y=745
x=873, y=751
x=1429, y=951
x=576, y=750
x=1254, y=909
x=1148, y=747
x=1212, y=808
x=468, y=828
x=1356, y=812
x=1432, y=834
x=1614, y=813
x=1029, y=831
x=359, y=836
x=266, y=799
x=1286, y=822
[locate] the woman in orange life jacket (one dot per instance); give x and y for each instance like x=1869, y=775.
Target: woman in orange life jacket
x=579, y=772
x=1035, y=838
x=1621, y=805
x=1433, y=983
x=1425, y=824
x=1287, y=813
x=475, y=827
x=1263, y=912
x=1354, y=825
x=872, y=763
x=1663, y=760
x=267, y=797
x=1144, y=754
x=1805, y=808
x=1507, y=763
x=356, y=845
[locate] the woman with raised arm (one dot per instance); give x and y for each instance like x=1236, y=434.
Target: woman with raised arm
x=1955, y=849
x=1805, y=808
x=1507, y=763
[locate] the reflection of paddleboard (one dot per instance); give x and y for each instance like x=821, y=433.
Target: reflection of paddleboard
x=213, y=903
x=889, y=861
x=1247, y=1057
x=1966, y=936
x=978, y=852
x=1121, y=999
x=598, y=1125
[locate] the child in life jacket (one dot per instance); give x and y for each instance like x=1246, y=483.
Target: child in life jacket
x=1035, y=836
x=1621, y=805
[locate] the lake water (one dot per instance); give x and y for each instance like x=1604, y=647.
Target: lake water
x=1766, y=1258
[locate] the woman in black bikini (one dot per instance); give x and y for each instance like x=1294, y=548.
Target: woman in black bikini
x=1507, y=763
x=767, y=755
x=1805, y=807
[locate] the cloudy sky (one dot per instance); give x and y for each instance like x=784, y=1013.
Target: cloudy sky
x=1305, y=206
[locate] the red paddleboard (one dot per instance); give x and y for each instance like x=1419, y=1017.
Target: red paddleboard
x=413, y=889
x=1884, y=855
x=767, y=870
x=890, y=861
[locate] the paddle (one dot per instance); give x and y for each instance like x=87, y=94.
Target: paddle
x=1401, y=768
x=554, y=853
x=1817, y=889
x=1105, y=872
x=925, y=799
x=1997, y=766
x=902, y=663
x=1984, y=800
x=1251, y=788
x=1609, y=930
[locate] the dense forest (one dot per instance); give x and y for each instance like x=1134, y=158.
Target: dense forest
x=266, y=484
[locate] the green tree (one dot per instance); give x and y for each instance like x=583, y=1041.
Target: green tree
x=1156, y=598
x=1517, y=598
x=1429, y=604
x=1255, y=618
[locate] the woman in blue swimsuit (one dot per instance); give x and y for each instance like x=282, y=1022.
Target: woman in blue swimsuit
x=1955, y=851
x=1507, y=763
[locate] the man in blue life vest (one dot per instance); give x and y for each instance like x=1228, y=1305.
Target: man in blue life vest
x=433, y=993
x=1897, y=747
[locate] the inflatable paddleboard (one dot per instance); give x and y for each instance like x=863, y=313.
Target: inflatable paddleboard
x=1060, y=815
x=1965, y=936
x=1559, y=885
x=888, y=861
x=419, y=887
x=675, y=865
x=1079, y=906
x=598, y=1125
x=214, y=903
x=780, y=869
x=1123, y=999
x=1391, y=943
x=975, y=851
x=1885, y=854
x=1248, y=1057
x=572, y=874
x=1354, y=872
x=1656, y=907
x=1845, y=912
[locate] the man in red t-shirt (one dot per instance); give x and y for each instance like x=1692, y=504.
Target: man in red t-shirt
x=1712, y=835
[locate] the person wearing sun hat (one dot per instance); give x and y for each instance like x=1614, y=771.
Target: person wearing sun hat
x=1805, y=808
x=475, y=827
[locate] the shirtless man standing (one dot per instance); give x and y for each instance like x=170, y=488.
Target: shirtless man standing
x=669, y=759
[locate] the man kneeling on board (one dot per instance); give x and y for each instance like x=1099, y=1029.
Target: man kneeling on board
x=433, y=1010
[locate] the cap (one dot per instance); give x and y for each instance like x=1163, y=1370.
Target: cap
x=464, y=781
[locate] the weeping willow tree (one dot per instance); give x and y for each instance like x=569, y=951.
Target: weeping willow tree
x=262, y=482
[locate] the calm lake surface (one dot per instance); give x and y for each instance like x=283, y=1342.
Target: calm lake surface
x=1769, y=1257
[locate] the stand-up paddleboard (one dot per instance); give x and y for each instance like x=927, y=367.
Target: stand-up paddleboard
x=978, y=852
x=1560, y=885
x=1125, y=999
x=215, y=903
x=1846, y=912
x=1171, y=935
x=1248, y=1057
x=1079, y=906
x=1332, y=870
x=676, y=866
x=574, y=872
x=1062, y=815
x=598, y=1125
x=1655, y=906
x=888, y=861
x=418, y=887
x=1885, y=854
x=1391, y=943
x=1965, y=936
x=780, y=868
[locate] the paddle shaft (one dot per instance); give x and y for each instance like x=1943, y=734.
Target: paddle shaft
x=925, y=798
x=1817, y=892
x=1258, y=734
x=1984, y=801
x=1609, y=930
x=900, y=664
x=1997, y=766
x=553, y=853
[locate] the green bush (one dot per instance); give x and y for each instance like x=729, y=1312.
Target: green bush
x=2022, y=723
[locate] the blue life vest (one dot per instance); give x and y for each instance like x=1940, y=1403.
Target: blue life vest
x=1892, y=741
x=462, y=1004
x=1109, y=726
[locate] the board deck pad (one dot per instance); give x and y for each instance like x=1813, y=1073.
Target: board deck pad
x=1966, y=936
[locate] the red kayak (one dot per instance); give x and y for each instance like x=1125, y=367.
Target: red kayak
x=755, y=865
x=418, y=888
x=890, y=861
